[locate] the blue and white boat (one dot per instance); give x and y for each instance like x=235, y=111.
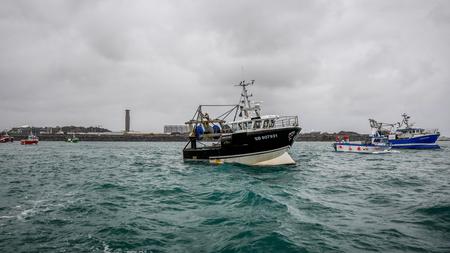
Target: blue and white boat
x=404, y=135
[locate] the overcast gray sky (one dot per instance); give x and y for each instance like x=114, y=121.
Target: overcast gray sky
x=332, y=63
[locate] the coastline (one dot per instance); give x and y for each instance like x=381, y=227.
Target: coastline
x=158, y=137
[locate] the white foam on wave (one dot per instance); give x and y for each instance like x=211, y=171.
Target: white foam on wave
x=106, y=248
x=7, y=217
x=386, y=151
x=26, y=213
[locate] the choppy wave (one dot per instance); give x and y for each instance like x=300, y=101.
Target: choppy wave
x=118, y=197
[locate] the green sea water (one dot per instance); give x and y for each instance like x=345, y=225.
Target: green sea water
x=141, y=197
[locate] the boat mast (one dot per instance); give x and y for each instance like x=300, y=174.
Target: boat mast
x=406, y=120
x=245, y=104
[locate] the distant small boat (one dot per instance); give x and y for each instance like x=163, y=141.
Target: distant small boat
x=73, y=139
x=375, y=145
x=31, y=139
x=403, y=135
x=6, y=138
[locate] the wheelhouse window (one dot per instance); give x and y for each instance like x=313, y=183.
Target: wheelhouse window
x=272, y=123
x=256, y=124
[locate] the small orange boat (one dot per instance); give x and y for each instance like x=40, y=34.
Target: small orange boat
x=32, y=139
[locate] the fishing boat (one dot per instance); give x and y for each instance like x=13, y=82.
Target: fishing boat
x=72, y=139
x=402, y=135
x=249, y=138
x=4, y=138
x=31, y=139
x=376, y=144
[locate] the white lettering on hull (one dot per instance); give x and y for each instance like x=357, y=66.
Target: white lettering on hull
x=266, y=137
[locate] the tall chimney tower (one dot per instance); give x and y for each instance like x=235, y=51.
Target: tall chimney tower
x=127, y=121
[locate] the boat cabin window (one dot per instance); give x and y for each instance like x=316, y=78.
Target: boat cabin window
x=271, y=123
x=256, y=124
x=242, y=126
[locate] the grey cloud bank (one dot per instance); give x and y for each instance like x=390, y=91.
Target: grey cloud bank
x=333, y=63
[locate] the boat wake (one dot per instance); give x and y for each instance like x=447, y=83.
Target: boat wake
x=385, y=152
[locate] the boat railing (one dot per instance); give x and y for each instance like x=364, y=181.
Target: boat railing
x=286, y=121
x=432, y=131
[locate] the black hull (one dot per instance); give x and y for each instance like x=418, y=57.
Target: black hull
x=245, y=143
